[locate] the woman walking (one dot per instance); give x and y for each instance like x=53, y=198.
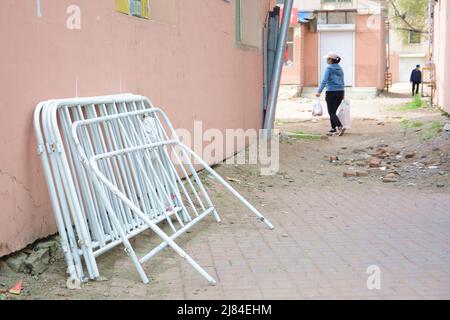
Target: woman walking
x=333, y=80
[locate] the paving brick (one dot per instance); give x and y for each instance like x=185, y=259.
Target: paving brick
x=309, y=255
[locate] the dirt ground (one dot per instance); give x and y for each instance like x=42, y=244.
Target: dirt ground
x=416, y=148
x=414, y=154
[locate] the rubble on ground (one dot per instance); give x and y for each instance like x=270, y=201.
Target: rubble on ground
x=387, y=163
x=33, y=260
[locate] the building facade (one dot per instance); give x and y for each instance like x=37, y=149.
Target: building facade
x=197, y=59
x=355, y=29
x=441, y=53
x=405, y=54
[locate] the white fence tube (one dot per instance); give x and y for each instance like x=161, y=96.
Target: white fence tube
x=61, y=196
x=53, y=196
x=228, y=187
x=74, y=205
x=150, y=223
x=177, y=142
x=155, y=251
x=116, y=178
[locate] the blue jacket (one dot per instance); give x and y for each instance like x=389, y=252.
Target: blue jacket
x=416, y=76
x=333, y=78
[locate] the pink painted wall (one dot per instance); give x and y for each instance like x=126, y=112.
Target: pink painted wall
x=394, y=61
x=305, y=61
x=311, y=61
x=370, y=55
x=193, y=70
x=370, y=51
x=442, y=54
x=291, y=74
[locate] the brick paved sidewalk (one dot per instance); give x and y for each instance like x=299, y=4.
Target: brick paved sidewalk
x=322, y=245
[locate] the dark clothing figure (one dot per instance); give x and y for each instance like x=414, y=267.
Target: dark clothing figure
x=415, y=88
x=415, y=79
x=334, y=99
x=416, y=76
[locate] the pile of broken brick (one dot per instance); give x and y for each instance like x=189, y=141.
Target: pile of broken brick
x=381, y=159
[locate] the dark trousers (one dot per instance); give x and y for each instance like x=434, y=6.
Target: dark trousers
x=334, y=99
x=415, y=87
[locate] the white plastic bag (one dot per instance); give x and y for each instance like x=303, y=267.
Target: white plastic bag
x=343, y=113
x=317, y=109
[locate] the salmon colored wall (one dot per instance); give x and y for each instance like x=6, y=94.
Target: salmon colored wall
x=193, y=70
x=291, y=74
x=383, y=51
x=370, y=55
x=369, y=51
x=442, y=54
x=311, y=58
x=394, y=61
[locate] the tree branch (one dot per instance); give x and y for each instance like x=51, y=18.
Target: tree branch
x=403, y=17
x=412, y=30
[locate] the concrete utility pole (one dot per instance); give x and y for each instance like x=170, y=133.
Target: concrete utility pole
x=278, y=68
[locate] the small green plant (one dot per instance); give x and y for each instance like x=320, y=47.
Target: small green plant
x=432, y=131
x=407, y=124
x=415, y=104
x=307, y=136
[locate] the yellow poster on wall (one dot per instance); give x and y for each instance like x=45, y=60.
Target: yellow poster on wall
x=145, y=9
x=138, y=8
x=123, y=6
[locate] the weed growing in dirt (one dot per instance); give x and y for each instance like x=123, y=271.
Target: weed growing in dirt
x=432, y=131
x=407, y=124
x=308, y=136
x=415, y=104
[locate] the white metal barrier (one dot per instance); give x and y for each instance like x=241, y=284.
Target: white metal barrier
x=113, y=171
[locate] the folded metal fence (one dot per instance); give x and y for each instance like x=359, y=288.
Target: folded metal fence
x=115, y=167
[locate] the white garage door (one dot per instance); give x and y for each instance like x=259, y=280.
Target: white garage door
x=342, y=43
x=406, y=65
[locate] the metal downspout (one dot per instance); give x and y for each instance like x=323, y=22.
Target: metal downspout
x=278, y=67
x=270, y=48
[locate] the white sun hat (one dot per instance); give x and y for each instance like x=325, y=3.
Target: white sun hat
x=331, y=55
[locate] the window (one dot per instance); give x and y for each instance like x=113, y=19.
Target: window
x=414, y=37
x=350, y=17
x=158, y=10
x=288, y=57
x=238, y=21
x=248, y=22
x=336, y=17
x=322, y=18
x=137, y=8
